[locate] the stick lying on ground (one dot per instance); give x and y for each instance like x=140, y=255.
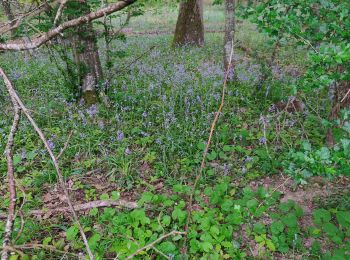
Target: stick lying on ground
x=83, y=206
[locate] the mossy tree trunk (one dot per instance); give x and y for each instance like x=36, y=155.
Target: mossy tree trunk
x=87, y=58
x=189, y=27
x=9, y=14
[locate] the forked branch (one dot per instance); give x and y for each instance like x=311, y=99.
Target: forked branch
x=10, y=175
x=15, y=98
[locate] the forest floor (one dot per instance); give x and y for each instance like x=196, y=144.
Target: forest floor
x=256, y=197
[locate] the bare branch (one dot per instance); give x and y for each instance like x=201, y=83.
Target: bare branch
x=59, y=12
x=10, y=174
x=15, y=23
x=16, y=98
x=38, y=41
x=88, y=205
x=65, y=145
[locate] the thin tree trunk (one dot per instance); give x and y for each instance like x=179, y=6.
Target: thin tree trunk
x=87, y=59
x=9, y=14
x=230, y=25
x=189, y=26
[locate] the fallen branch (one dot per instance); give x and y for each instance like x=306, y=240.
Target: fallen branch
x=10, y=174
x=173, y=233
x=15, y=97
x=42, y=39
x=88, y=205
x=83, y=206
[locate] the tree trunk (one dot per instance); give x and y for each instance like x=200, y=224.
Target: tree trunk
x=230, y=24
x=8, y=12
x=87, y=59
x=189, y=26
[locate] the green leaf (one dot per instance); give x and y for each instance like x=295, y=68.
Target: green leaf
x=212, y=156
x=139, y=216
x=321, y=216
x=104, y=196
x=343, y=218
x=72, y=232
x=227, y=205
x=93, y=240
x=259, y=228
x=93, y=212
x=227, y=148
x=179, y=215
x=167, y=247
x=277, y=227
x=166, y=220
x=251, y=204
x=206, y=246
x=214, y=230
x=270, y=245
x=17, y=159
x=115, y=195
x=290, y=220
x=47, y=241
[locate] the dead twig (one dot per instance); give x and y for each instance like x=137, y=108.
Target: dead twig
x=172, y=233
x=127, y=68
x=16, y=98
x=65, y=145
x=10, y=174
x=59, y=12
x=346, y=95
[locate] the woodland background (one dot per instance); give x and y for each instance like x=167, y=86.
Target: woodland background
x=175, y=129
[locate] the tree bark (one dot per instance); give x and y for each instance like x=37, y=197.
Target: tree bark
x=9, y=14
x=189, y=26
x=87, y=58
x=230, y=25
